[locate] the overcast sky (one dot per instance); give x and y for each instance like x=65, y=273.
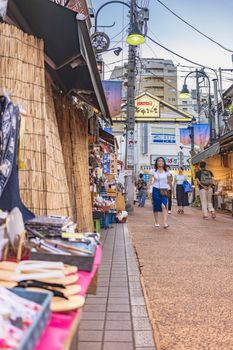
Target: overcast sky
x=213, y=17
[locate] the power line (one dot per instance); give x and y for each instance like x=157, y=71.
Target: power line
x=174, y=58
x=194, y=28
x=119, y=32
x=178, y=55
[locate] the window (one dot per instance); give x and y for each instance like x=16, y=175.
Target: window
x=171, y=71
x=184, y=102
x=185, y=109
x=171, y=80
x=172, y=90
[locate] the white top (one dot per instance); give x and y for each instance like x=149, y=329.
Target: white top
x=180, y=179
x=160, y=179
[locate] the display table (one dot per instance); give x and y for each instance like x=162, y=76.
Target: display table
x=63, y=326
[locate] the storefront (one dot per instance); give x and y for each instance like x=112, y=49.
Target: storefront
x=49, y=91
x=219, y=159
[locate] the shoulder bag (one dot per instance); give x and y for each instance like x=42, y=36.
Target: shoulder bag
x=163, y=191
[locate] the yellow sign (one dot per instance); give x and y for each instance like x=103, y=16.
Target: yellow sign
x=147, y=108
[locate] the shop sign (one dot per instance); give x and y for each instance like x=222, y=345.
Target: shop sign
x=170, y=160
x=100, y=42
x=78, y=6
x=147, y=108
x=163, y=138
x=113, y=92
x=130, y=149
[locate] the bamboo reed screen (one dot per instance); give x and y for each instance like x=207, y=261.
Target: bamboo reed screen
x=73, y=126
x=55, y=180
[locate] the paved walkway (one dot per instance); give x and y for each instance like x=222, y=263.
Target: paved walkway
x=116, y=318
x=188, y=275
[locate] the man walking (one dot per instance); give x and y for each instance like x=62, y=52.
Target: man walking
x=142, y=190
x=205, y=179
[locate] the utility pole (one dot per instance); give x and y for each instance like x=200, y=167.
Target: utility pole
x=130, y=119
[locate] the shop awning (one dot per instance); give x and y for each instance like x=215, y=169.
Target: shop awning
x=208, y=152
x=226, y=142
x=69, y=55
x=104, y=135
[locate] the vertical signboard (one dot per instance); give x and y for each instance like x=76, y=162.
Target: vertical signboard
x=130, y=148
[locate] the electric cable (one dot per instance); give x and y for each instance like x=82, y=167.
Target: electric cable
x=173, y=57
x=119, y=32
x=178, y=55
x=194, y=28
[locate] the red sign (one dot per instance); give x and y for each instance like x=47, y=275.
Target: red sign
x=78, y=6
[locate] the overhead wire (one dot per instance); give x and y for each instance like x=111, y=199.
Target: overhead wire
x=194, y=28
x=182, y=57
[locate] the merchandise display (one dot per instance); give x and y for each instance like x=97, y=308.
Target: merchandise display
x=19, y=315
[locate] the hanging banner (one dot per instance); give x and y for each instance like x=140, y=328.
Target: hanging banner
x=113, y=91
x=147, y=108
x=201, y=134
x=185, y=138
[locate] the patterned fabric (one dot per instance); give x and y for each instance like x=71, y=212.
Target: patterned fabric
x=8, y=140
x=9, y=177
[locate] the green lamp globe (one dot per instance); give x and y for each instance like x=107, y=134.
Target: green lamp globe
x=185, y=93
x=135, y=36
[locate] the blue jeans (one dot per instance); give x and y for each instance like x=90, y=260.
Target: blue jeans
x=142, y=197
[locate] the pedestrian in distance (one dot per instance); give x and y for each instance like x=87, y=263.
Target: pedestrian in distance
x=160, y=187
x=205, y=179
x=181, y=195
x=170, y=191
x=142, y=191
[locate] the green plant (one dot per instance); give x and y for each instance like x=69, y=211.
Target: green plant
x=197, y=202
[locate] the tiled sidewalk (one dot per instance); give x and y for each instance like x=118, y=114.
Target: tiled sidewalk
x=116, y=318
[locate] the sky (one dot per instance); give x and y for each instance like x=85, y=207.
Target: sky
x=213, y=17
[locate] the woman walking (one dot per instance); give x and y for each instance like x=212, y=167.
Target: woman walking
x=181, y=195
x=161, y=184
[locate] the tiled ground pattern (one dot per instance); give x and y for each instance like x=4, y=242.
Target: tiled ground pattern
x=116, y=318
x=188, y=274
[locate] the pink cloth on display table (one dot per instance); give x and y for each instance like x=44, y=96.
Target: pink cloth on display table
x=55, y=333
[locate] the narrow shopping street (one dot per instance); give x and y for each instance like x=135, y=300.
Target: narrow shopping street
x=187, y=272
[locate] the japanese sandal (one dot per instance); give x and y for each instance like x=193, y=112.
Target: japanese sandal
x=73, y=302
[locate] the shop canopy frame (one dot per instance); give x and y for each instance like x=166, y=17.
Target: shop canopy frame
x=69, y=54
x=207, y=153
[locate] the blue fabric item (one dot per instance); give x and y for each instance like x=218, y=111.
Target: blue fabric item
x=142, y=197
x=187, y=187
x=158, y=200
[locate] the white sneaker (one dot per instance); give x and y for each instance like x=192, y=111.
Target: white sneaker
x=157, y=225
x=169, y=212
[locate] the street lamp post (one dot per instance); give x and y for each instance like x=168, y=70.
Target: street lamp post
x=135, y=38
